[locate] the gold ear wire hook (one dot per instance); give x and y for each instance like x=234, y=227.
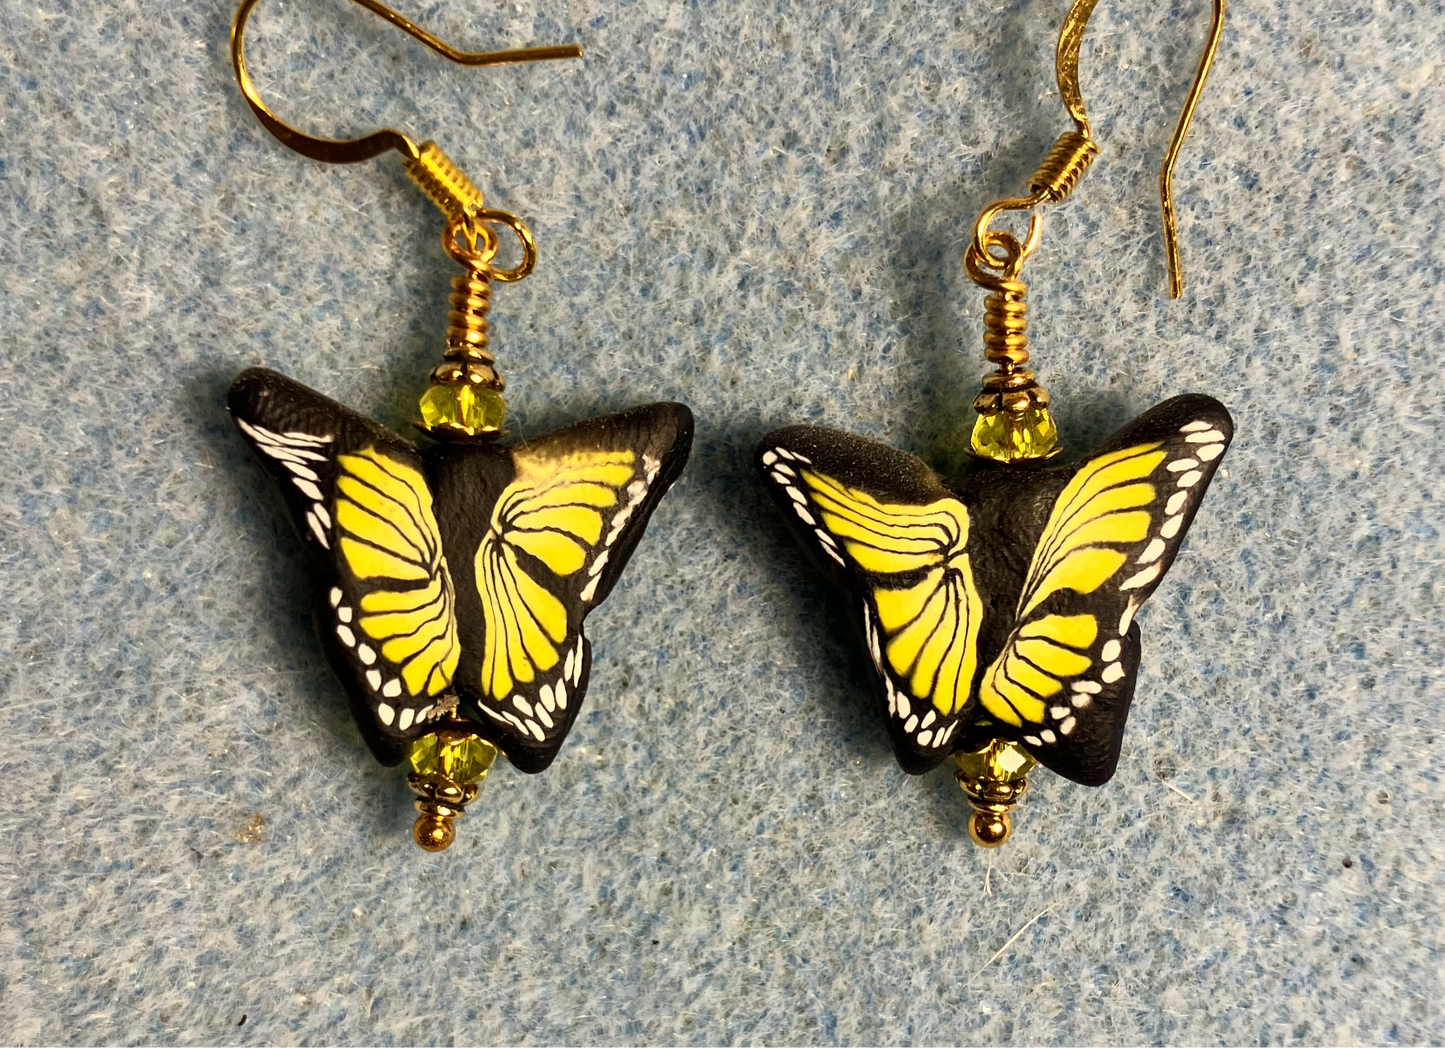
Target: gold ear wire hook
x=1075, y=150
x=351, y=151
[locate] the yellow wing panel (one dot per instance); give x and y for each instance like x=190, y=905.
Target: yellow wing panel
x=389, y=537
x=928, y=624
x=1097, y=521
x=556, y=511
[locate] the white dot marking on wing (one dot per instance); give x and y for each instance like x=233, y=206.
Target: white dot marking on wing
x=1152, y=552
x=316, y=527
x=1144, y=577
x=309, y=489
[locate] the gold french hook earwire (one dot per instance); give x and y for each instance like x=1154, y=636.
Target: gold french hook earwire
x=427, y=165
x=1075, y=150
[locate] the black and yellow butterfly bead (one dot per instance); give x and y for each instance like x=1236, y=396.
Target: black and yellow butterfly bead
x=1001, y=605
x=455, y=580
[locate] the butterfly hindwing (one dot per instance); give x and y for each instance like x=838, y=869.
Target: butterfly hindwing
x=538, y=534
x=1063, y=677
x=358, y=495
x=897, y=542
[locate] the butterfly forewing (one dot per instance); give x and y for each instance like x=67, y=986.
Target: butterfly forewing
x=538, y=534
x=359, y=498
x=1063, y=676
x=897, y=542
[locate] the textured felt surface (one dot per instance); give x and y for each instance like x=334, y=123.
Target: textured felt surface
x=758, y=208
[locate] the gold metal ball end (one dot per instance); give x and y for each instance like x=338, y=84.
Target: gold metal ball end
x=433, y=833
x=989, y=829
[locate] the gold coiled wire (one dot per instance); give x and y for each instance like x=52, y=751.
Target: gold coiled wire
x=1011, y=386
x=1061, y=170
x=444, y=184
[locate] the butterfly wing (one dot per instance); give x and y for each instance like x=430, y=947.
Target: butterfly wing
x=358, y=496
x=560, y=517
x=1063, y=678
x=897, y=542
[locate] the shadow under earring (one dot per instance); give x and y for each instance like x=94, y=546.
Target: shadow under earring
x=455, y=577
x=997, y=606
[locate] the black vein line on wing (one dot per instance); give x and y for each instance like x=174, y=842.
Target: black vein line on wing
x=1003, y=668
x=412, y=506
x=521, y=607
x=905, y=534
x=429, y=551
x=950, y=609
x=511, y=627
x=405, y=549
x=1066, y=527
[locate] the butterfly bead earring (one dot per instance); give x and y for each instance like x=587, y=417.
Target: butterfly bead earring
x=997, y=606
x=455, y=577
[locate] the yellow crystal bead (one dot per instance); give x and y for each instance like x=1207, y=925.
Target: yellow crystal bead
x=1008, y=437
x=1000, y=761
x=464, y=408
x=457, y=756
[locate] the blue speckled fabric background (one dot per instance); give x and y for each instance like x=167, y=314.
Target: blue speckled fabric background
x=759, y=208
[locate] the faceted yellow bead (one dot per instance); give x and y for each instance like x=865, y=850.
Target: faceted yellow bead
x=1008, y=437
x=452, y=755
x=1000, y=761
x=470, y=409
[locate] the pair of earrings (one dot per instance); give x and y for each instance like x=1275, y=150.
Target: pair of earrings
x=997, y=607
